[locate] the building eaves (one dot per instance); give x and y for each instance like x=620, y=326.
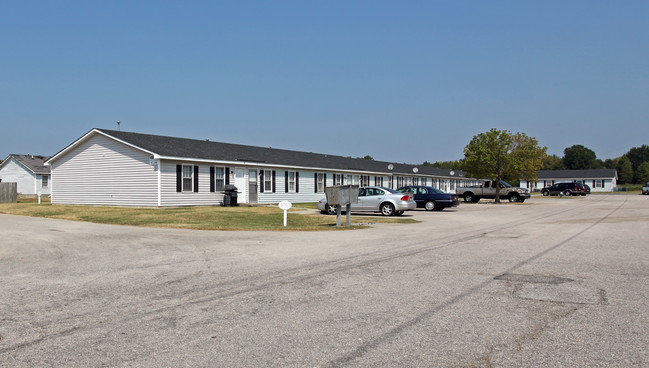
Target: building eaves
x=193, y=149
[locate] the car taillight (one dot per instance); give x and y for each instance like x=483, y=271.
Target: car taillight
x=405, y=198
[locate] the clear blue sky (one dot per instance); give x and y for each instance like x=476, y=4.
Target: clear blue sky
x=403, y=81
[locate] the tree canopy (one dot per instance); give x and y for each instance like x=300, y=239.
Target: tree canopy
x=497, y=154
x=578, y=157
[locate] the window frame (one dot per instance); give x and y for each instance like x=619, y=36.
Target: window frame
x=217, y=179
x=291, y=182
x=188, y=179
x=320, y=184
x=268, y=181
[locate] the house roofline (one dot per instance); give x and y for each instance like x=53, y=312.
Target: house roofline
x=87, y=136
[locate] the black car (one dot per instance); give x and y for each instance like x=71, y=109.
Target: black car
x=566, y=189
x=430, y=198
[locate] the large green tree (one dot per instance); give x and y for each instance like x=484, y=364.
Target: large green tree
x=624, y=170
x=638, y=155
x=642, y=174
x=553, y=162
x=578, y=157
x=449, y=165
x=498, y=154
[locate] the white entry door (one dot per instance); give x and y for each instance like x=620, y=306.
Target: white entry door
x=241, y=184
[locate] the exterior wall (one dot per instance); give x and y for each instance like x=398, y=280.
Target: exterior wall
x=306, y=187
x=608, y=184
x=170, y=197
x=14, y=172
x=102, y=171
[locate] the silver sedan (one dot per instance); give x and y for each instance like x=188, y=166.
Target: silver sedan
x=376, y=199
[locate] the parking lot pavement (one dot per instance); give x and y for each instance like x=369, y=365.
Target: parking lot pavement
x=549, y=282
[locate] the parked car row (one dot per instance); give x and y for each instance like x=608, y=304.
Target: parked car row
x=394, y=202
x=566, y=189
x=391, y=202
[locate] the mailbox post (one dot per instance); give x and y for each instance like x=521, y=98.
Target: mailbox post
x=340, y=195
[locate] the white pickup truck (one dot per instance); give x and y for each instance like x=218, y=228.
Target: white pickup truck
x=488, y=190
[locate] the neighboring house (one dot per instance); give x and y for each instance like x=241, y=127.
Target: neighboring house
x=599, y=180
x=28, y=171
x=107, y=167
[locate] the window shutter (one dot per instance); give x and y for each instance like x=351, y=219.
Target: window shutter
x=315, y=182
x=227, y=176
x=297, y=182
x=274, y=182
x=196, y=178
x=179, y=178
x=285, y=181
x=212, y=179
x=324, y=180
x=261, y=179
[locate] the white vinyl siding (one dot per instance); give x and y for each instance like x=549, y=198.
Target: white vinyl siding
x=102, y=171
x=169, y=195
x=27, y=182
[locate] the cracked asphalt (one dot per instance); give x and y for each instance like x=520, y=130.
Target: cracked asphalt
x=550, y=282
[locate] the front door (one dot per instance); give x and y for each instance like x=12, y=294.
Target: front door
x=240, y=183
x=252, y=186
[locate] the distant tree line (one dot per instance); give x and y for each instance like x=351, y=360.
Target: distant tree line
x=632, y=167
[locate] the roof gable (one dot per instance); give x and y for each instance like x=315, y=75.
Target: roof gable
x=33, y=163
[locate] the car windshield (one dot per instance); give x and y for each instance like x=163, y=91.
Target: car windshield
x=505, y=184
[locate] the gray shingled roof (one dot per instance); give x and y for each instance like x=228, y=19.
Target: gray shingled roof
x=577, y=174
x=32, y=162
x=217, y=151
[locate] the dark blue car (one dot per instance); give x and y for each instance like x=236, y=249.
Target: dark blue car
x=431, y=198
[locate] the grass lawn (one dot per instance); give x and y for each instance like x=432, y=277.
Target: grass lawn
x=301, y=217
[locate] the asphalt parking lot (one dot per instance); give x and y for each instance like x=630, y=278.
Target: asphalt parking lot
x=550, y=282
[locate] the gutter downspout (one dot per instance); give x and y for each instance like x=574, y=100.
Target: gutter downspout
x=159, y=182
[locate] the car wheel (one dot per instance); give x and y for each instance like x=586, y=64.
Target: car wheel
x=430, y=206
x=331, y=209
x=514, y=198
x=387, y=209
x=567, y=193
x=468, y=198
x=545, y=193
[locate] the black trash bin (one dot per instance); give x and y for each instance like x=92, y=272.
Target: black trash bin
x=230, y=196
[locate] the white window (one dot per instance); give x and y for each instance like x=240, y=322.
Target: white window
x=338, y=179
x=378, y=181
x=349, y=180
x=268, y=181
x=219, y=178
x=365, y=180
x=45, y=181
x=599, y=184
x=291, y=181
x=320, y=183
x=188, y=178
